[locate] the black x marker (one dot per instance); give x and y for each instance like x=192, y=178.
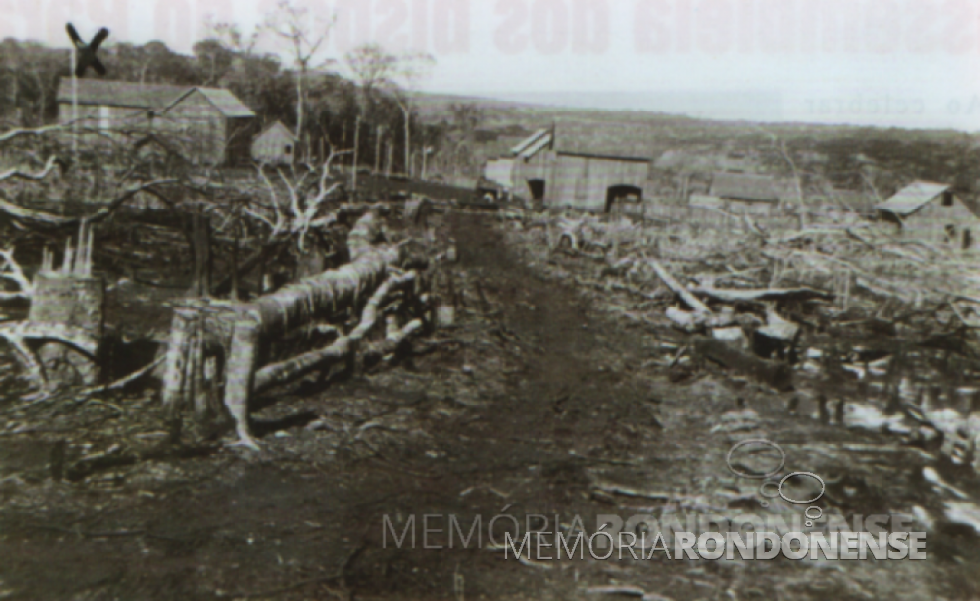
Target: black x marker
x=87, y=53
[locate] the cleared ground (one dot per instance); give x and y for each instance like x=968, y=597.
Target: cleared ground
x=540, y=402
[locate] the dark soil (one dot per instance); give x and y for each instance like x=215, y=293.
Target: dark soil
x=539, y=402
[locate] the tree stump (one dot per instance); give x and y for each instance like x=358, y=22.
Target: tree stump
x=76, y=302
x=200, y=342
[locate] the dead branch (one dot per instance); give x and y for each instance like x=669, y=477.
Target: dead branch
x=52, y=220
x=296, y=367
x=771, y=294
x=305, y=301
x=689, y=299
x=119, y=384
x=12, y=271
x=36, y=177
x=34, y=131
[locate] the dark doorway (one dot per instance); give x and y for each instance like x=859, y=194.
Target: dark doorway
x=967, y=239
x=536, y=187
x=622, y=194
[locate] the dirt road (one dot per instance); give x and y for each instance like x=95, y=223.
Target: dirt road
x=539, y=402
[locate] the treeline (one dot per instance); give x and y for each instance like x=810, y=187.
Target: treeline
x=332, y=104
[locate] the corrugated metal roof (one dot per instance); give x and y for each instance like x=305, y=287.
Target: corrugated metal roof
x=528, y=142
x=701, y=201
x=226, y=102
x=912, y=197
x=120, y=93
x=278, y=125
x=532, y=150
x=741, y=186
x=606, y=139
x=126, y=94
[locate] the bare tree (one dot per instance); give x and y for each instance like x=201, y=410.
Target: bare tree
x=410, y=70
x=305, y=35
x=372, y=69
x=399, y=75
x=232, y=36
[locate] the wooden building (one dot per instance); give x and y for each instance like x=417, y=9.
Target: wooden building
x=209, y=125
x=932, y=213
x=276, y=145
x=591, y=166
x=742, y=193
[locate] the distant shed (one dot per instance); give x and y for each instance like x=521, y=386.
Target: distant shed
x=744, y=193
x=591, y=166
x=207, y=125
x=930, y=212
x=275, y=145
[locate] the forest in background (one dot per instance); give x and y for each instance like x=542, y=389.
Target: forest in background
x=325, y=99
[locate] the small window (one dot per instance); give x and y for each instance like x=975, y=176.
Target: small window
x=947, y=199
x=951, y=232
x=288, y=149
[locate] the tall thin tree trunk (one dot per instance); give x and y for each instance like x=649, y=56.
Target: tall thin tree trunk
x=299, y=110
x=234, y=255
x=408, y=144
x=377, y=151
x=357, y=132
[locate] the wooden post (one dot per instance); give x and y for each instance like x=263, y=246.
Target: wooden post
x=74, y=102
x=234, y=261
x=377, y=150
x=202, y=254
x=240, y=373
x=391, y=149
x=182, y=331
x=357, y=132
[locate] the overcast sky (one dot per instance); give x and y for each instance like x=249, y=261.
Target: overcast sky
x=905, y=63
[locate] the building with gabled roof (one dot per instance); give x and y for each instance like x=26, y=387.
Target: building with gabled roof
x=588, y=166
x=210, y=125
x=931, y=212
x=747, y=193
x=276, y=145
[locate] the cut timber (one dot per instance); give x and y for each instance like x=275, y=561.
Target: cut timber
x=199, y=330
x=773, y=294
x=694, y=321
x=689, y=299
x=776, y=375
x=777, y=338
x=733, y=336
x=377, y=351
x=296, y=367
x=306, y=301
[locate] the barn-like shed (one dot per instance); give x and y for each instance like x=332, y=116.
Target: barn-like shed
x=931, y=212
x=207, y=125
x=592, y=166
x=276, y=145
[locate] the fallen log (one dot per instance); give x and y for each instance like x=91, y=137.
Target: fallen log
x=772, y=294
x=692, y=322
x=300, y=303
x=777, y=375
x=289, y=370
x=381, y=349
x=685, y=295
